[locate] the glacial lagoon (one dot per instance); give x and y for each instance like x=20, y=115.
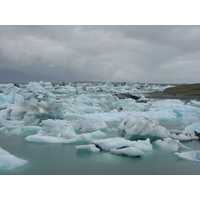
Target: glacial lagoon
x=86, y=112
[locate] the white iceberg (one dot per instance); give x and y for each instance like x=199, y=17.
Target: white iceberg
x=35, y=87
x=48, y=139
x=128, y=151
x=133, y=127
x=193, y=127
x=87, y=125
x=8, y=161
x=115, y=143
x=143, y=145
x=110, y=143
x=10, y=97
x=170, y=144
x=57, y=128
x=191, y=132
x=90, y=147
x=91, y=136
x=190, y=155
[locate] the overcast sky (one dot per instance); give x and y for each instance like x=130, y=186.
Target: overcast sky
x=152, y=54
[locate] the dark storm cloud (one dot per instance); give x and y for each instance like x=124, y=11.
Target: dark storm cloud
x=115, y=53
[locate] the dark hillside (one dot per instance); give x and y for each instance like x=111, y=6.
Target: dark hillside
x=190, y=89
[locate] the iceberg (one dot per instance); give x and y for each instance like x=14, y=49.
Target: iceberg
x=110, y=143
x=91, y=136
x=193, y=127
x=133, y=127
x=170, y=144
x=116, y=143
x=128, y=151
x=48, y=139
x=191, y=132
x=9, y=161
x=35, y=87
x=190, y=155
x=87, y=125
x=85, y=137
x=57, y=128
x=90, y=147
x=143, y=145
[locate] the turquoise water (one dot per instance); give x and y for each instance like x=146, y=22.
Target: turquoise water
x=64, y=159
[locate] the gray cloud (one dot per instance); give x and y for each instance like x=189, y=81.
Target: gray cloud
x=165, y=54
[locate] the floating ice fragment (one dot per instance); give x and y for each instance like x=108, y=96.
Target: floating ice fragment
x=110, y=143
x=48, y=139
x=191, y=132
x=170, y=144
x=57, y=128
x=143, y=145
x=86, y=125
x=133, y=127
x=190, y=155
x=193, y=127
x=34, y=87
x=8, y=161
x=128, y=151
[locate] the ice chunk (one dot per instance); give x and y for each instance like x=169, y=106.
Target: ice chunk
x=12, y=127
x=35, y=87
x=188, y=119
x=11, y=97
x=85, y=125
x=57, y=128
x=192, y=127
x=170, y=144
x=162, y=115
x=128, y=151
x=48, y=139
x=190, y=155
x=110, y=143
x=133, y=127
x=8, y=161
x=177, y=106
x=184, y=136
x=98, y=134
x=143, y=145
x=47, y=85
x=194, y=103
x=91, y=136
x=90, y=147
x=191, y=132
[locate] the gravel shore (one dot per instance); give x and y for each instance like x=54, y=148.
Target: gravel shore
x=162, y=95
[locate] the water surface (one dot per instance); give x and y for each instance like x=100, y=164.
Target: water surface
x=64, y=159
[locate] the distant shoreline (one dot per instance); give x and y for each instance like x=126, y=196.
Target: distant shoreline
x=163, y=95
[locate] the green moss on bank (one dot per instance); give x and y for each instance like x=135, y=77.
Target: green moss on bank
x=190, y=89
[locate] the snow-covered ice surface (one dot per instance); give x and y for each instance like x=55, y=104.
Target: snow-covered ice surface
x=105, y=118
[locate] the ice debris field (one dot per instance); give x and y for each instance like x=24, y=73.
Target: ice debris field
x=116, y=118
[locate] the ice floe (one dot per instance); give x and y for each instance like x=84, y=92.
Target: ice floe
x=191, y=132
x=190, y=155
x=133, y=127
x=9, y=161
x=110, y=143
x=57, y=128
x=128, y=151
x=39, y=138
x=170, y=144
